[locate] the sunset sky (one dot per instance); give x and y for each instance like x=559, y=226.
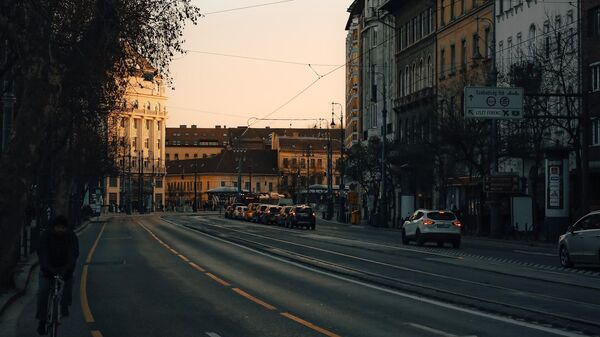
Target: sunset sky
x=214, y=90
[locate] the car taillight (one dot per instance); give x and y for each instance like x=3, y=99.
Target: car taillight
x=457, y=223
x=428, y=222
x=292, y=213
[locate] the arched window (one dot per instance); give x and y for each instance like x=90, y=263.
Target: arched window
x=531, y=38
x=429, y=72
x=406, y=81
x=401, y=86
x=414, y=79
x=157, y=107
x=421, y=75
x=148, y=106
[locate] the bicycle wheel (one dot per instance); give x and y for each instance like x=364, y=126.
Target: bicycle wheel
x=55, y=317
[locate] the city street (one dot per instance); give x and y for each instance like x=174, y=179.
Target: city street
x=208, y=276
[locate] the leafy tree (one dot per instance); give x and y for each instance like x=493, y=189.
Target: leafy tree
x=70, y=62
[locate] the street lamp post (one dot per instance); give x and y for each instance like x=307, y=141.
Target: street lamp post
x=383, y=189
x=141, y=183
x=308, y=153
x=329, y=171
x=342, y=211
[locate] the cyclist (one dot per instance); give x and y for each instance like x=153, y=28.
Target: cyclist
x=58, y=250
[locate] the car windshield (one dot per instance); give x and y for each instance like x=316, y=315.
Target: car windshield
x=441, y=216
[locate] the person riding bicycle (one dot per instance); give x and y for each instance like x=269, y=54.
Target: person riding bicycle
x=58, y=250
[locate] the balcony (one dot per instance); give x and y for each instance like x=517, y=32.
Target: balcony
x=420, y=96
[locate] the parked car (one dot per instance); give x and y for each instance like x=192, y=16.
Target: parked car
x=581, y=243
x=302, y=216
x=239, y=212
x=249, y=214
x=432, y=225
x=229, y=212
x=283, y=214
x=269, y=215
x=258, y=213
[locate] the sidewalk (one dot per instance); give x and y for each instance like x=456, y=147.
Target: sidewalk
x=465, y=238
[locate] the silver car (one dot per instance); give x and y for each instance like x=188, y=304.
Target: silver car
x=581, y=242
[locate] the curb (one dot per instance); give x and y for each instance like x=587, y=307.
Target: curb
x=19, y=291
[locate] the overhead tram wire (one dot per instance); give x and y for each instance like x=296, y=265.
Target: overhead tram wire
x=247, y=7
x=253, y=58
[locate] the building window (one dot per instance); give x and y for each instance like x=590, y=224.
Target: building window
x=462, y=6
x=247, y=186
x=509, y=46
x=112, y=182
x=135, y=123
x=146, y=142
x=595, y=21
x=531, y=39
x=452, y=5
x=134, y=142
x=158, y=183
x=571, y=37
x=488, y=43
x=270, y=187
x=222, y=183
x=257, y=189
x=547, y=39
x=475, y=45
x=558, y=29
x=463, y=55
x=286, y=162
x=148, y=124
x=429, y=71
x=595, y=76
x=452, y=59
x=442, y=10
x=176, y=156
x=158, y=125
x=596, y=132
x=421, y=75
x=430, y=20
x=187, y=156
x=442, y=63
x=519, y=43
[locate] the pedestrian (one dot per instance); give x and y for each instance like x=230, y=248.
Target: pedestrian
x=58, y=250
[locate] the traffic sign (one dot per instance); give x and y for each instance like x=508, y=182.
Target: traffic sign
x=493, y=103
x=501, y=184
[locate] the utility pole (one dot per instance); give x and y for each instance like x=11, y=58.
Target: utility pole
x=342, y=189
x=141, y=183
x=383, y=203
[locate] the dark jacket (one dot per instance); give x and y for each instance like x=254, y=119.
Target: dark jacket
x=58, y=254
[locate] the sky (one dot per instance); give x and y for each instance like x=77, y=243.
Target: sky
x=211, y=90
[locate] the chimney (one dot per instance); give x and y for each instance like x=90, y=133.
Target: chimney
x=182, y=126
x=194, y=126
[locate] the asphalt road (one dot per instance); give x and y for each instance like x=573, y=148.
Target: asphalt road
x=208, y=276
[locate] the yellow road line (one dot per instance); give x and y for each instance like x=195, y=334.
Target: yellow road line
x=309, y=325
x=85, y=306
x=96, y=333
x=254, y=299
x=183, y=258
x=197, y=267
x=212, y=276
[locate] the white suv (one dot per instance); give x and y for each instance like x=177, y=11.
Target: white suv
x=581, y=242
x=432, y=225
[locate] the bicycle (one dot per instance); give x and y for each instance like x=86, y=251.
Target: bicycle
x=54, y=300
